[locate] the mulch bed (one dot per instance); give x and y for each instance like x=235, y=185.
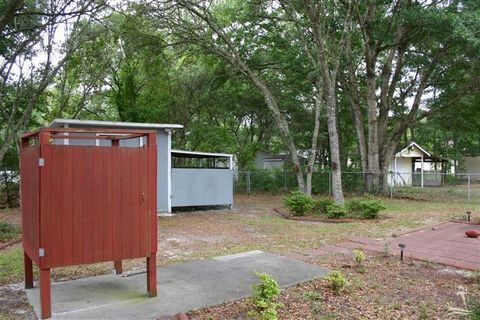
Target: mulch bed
x=384, y=288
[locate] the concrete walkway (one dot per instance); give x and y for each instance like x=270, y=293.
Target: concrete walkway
x=181, y=287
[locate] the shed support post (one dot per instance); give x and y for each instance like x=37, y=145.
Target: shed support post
x=152, y=275
x=45, y=293
x=117, y=265
x=28, y=268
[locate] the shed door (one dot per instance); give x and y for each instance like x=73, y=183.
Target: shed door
x=94, y=204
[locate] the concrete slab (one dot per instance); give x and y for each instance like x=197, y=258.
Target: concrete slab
x=181, y=287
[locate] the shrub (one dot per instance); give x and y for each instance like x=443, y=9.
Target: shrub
x=322, y=204
x=264, y=298
x=336, y=211
x=312, y=295
x=8, y=231
x=298, y=203
x=358, y=256
x=365, y=208
x=337, y=281
x=473, y=309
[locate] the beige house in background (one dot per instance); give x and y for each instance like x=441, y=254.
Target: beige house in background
x=415, y=166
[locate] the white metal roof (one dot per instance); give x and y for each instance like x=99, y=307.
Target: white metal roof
x=57, y=123
x=206, y=154
x=412, y=144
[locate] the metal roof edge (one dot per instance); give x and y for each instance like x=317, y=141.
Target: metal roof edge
x=212, y=154
x=97, y=123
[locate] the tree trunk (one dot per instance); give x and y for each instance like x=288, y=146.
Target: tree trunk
x=316, y=129
x=337, y=189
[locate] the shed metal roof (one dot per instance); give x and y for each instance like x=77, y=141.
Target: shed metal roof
x=197, y=154
x=58, y=123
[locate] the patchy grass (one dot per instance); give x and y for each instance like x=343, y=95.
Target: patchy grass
x=8, y=231
x=253, y=224
x=11, y=264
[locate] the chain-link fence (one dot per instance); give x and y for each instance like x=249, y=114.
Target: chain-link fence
x=429, y=186
x=9, y=189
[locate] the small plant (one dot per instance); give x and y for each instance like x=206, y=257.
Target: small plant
x=386, y=249
x=298, y=203
x=365, y=208
x=474, y=276
x=337, y=281
x=336, y=211
x=8, y=231
x=312, y=295
x=322, y=204
x=358, y=256
x=264, y=298
x=473, y=307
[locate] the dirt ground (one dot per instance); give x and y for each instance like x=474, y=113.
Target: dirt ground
x=253, y=224
x=382, y=288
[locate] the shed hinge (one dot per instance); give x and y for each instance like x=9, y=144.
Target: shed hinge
x=41, y=162
x=41, y=252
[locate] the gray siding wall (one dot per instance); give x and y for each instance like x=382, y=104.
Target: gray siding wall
x=201, y=187
x=162, y=171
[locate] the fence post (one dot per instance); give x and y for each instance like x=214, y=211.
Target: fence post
x=468, y=189
x=330, y=182
x=248, y=183
x=391, y=184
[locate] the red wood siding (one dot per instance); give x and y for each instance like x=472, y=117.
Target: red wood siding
x=94, y=211
x=30, y=200
x=88, y=204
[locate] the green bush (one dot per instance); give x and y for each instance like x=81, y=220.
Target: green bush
x=337, y=281
x=473, y=309
x=322, y=204
x=298, y=203
x=264, y=298
x=336, y=211
x=365, y=208
x=358, y=256
x=8, y=231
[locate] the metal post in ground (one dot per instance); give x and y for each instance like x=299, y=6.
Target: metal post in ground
x=391, y=184
x=248, y=183
x=468, y=189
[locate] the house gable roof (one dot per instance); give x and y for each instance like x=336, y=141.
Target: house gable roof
x=406, y=150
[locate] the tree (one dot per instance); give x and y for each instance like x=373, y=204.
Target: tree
x=28, y=33
x=397, y=53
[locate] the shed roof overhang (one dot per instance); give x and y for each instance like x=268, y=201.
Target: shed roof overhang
x=59, y=123
x=197, y=154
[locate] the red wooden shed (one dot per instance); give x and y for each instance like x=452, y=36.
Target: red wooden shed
x=86, y=204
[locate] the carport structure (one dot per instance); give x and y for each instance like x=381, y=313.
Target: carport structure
x=204, y=179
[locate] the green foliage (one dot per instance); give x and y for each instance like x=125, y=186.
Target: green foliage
x=8, y=231
x=298, y=203
x=336, y=211
x=358, y=256
x=11, y=264
x=312, y=295
x=264, y=298
x=473, y=307
x=322, y=204
x=365, y=208
x=337, y=281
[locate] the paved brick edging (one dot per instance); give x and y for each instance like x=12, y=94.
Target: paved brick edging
x=445, y=244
